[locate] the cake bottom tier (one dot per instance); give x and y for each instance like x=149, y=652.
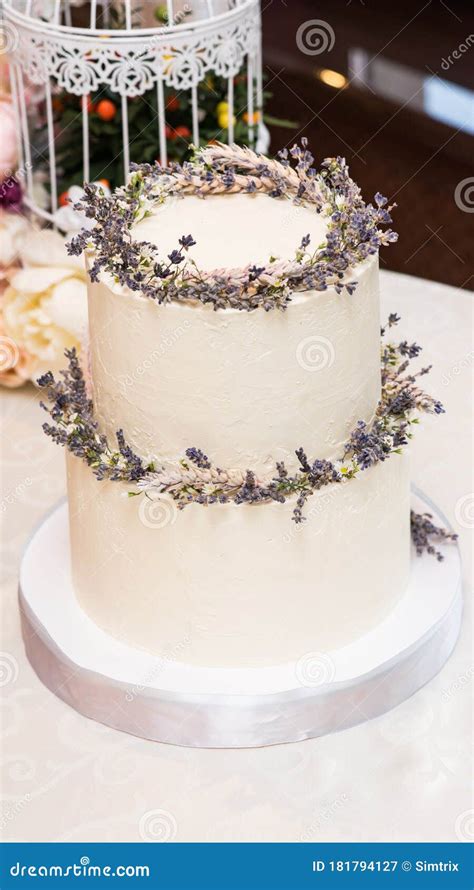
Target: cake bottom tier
x=239, y=585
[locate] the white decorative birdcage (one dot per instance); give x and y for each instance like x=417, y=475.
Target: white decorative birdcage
x=132, y=51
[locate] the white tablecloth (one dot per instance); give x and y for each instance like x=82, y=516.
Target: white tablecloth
x=401, y=777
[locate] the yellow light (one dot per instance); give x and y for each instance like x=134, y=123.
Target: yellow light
x=332, y=78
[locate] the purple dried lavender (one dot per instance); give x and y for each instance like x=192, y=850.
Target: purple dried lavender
x=354, y=230
x=368, y=446
x=135, y=467
x=74, y=427
x=424, y=532
x=411, y=350
x=198, y=457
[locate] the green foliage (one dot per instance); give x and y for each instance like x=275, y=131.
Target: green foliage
x=105, y=136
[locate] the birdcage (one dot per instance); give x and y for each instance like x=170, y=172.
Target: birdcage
x=99, y=84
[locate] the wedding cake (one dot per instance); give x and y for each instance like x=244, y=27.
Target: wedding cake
x=238, y=474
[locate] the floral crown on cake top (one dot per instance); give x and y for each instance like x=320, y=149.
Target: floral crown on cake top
x=355, y=230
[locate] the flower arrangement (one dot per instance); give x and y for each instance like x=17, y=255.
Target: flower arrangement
x=354, y=228
x=43, y=301
x=43, y=291
x=195, y=480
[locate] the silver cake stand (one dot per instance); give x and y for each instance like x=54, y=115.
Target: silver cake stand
x=169, y=701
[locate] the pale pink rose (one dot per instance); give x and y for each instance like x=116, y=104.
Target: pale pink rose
x=16, y=365
x=8, y=142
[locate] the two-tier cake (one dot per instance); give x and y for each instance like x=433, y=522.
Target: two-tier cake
x=238, y=477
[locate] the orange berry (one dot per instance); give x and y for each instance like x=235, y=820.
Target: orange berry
x=182, y=131
x=64, y=199
x=105, y=182
x=255, y=118
x=172, y=103
x=106, y=110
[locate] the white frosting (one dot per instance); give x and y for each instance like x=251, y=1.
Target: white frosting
x=232, y=230
x=246, y=387
x=238, y=585
x=241, y=585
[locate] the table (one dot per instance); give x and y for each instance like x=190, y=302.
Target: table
x=401, y=777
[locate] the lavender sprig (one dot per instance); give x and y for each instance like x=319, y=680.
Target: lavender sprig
x=74, y=426
x=424, y=532
x=196, y=480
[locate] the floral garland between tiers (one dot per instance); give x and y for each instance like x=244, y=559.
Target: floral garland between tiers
x=195, y=480
x=353, y=232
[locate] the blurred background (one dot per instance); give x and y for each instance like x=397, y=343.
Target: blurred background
x=390, y=86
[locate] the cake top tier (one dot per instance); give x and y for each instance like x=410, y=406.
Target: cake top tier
x=341, y=230
x=234, y=230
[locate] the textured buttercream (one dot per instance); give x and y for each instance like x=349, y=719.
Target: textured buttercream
x=246, y=387
x=229, y=584
x=240, y=585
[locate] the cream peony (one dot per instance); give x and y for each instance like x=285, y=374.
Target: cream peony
x=45, y=306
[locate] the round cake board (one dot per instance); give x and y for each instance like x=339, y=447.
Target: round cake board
x=176, y=703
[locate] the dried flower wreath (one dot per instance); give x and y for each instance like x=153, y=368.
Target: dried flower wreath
x=353, y=228
x=195, y=480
